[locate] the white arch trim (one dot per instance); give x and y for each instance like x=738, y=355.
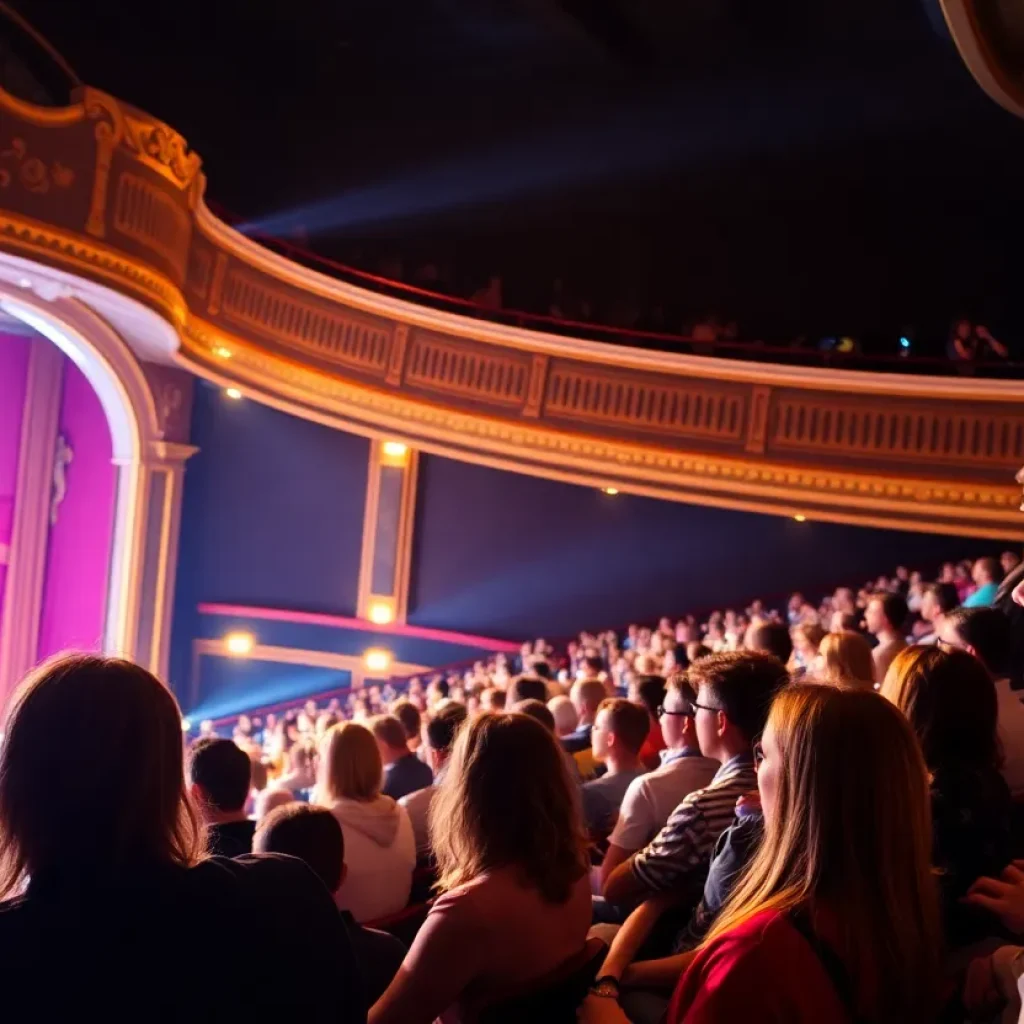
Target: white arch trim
x=111, y=368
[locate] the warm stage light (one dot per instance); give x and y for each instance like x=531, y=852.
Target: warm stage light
x=233, y=393
x=800, y=518
x=222, y=353
x=377, y=659
x=185, y=725
x=381, y=612
x=610, y=490
x=239, y=644
x=395, y=449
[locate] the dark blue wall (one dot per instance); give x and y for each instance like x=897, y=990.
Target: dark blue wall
x=511, y=556
x=272, y=516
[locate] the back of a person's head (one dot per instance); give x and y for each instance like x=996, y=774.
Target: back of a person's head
x=772, y=638
x=389, y=731
x=222, y=771
x=847, y=660
x=894, y=607
x=645, y=665
x=310, y=833
x=92, y=773
x=527, y=688
x=629, y=722
x=444, y=726
x=409, y=715
x=564, y=714
x=270, y=799
x=508, y=801
x=987, y=631
x=350, y=763
x=495, y=698
x=950, y=701
x=650, y=691
x=945, y=596
x=541, y=668
x=587, y=694
x=593, y=663
x=537, y=710
x=848, y=832
x=743, y=685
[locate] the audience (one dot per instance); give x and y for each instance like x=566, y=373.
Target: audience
x=772, y=638
x=114, y=910
x=314, y=836
x=648, y=689
x=440, y=734
x=404, y=772
x=986, y=573
x=564, y=714
x=380, y=848
x=618, y=735
x=511, y=854
x=220, y=773
x=937, y=601
x=846, y=661
x=950, y=702
x=409, y=715
x=885, y=616
x=734, y=693
x=817, y=929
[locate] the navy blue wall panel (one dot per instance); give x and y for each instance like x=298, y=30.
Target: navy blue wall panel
x=272, y=515
x=510, y=556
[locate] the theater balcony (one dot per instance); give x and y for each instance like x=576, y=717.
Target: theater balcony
x=103, y=208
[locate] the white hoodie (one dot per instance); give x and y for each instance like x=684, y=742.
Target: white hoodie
x=380, y=854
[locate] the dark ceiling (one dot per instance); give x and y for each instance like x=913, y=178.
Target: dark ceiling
x=774, y=139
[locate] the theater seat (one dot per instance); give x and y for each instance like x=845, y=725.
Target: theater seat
x=555, y=999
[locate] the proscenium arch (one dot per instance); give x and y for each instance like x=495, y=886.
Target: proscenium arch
x=113, y=372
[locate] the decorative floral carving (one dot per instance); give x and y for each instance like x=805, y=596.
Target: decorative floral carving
x=162, y=146
x=33, y=173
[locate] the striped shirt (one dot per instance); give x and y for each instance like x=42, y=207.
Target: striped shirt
x=680, y=853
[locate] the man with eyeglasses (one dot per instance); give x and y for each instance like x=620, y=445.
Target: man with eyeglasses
x=650, y=799
x=734, y=693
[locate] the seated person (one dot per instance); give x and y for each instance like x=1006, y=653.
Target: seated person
x=651, y=798
x=512, y=861
x=619, y=732
x=950, y=701
x=109, y=875
x=648, y=689
x=404, y=772
x=735, y=691
x=815, y=932
x=564, y=714
x=441, y=731
x=586, y=695
x=314, y=836
x=220, y=774
x=527, y=688
x=380, y=848
x=772, y=638
x=409, y=715
x=301, y=775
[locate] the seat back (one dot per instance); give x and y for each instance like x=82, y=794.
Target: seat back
x=555, y=998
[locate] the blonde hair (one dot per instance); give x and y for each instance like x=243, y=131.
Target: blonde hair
x=847, y=660
x=92, y=773
x=507, y=800
x=350, y=764
x=851, y=832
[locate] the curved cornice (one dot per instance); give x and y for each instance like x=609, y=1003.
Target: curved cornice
x=103, y=192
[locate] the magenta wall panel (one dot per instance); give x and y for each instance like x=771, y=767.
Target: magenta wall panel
x=14, y=351
x=79, y=547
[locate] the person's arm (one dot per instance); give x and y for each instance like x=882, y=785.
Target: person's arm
x=661, y=974
x=997, y=346
x=962, y=351
x=614, y=856
x=632, y=935
x=666, y=862
x=440, y=964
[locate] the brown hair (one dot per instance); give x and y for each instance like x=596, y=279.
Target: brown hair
x=507, y=800
x=847, y=660
x=389, y=730
x=851, y=833
x=350, y=764
x=92, y=772
x=409, y=715
x=628, y=721
x=742, y=684
x=950, y=701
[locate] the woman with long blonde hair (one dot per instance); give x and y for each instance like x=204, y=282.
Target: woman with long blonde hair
x=836, y=918
x=513, y=876
x=845, y=660
x=104, y=869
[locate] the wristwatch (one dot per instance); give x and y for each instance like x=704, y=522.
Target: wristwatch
x=607, y=986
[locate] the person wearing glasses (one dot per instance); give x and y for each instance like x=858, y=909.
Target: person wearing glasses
x=651, y=798
x=734, y=692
